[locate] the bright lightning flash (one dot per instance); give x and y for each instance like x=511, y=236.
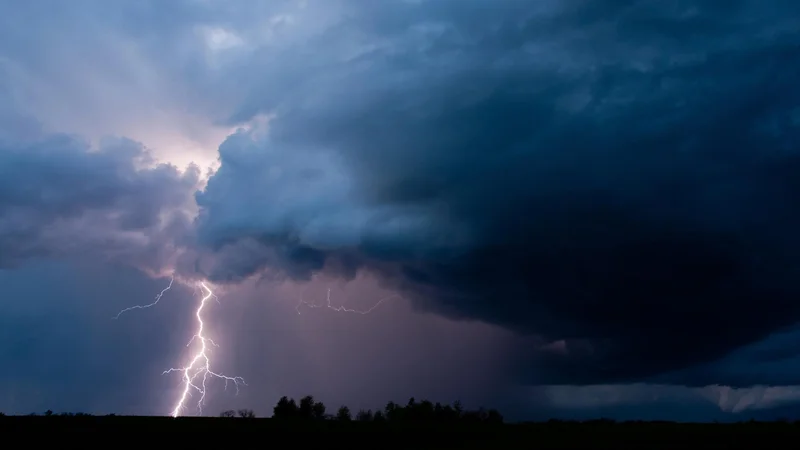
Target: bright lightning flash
x=197, y=372
x=328, y=305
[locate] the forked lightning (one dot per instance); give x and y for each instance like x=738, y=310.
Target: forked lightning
x=198, y=371
x=196, y=374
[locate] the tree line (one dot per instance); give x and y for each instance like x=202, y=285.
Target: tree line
x=308, y=409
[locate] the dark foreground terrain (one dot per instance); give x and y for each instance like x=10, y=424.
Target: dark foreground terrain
x=574, y=435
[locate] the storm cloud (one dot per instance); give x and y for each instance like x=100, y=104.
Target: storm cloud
x=60, y=197
x=600, y=194
x=616, y=176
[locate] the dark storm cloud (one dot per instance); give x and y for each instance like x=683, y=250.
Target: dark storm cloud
x=774, y=360
x=59, y=197
x=619, y=175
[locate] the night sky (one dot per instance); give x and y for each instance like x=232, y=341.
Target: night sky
x=576, y=208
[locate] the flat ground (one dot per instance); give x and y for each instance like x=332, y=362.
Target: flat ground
x=587, y=435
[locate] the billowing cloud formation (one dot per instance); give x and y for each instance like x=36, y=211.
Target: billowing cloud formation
x=616, y=175
x=60, y=197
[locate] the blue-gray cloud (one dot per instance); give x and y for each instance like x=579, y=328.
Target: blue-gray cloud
x=617, y=175
x=613, y=178
x=59, y=197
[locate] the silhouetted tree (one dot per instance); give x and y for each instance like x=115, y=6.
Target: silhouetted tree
x=247, y=414
x=306, y=410
x=414, y=411
x=443, y=413
x=457, y=408
x=344, y=414
x=228, y=413
x=286, y=408
x=393, y=411
x=364, y=415
x=471, y=417
x=451, y=414
x=48, y=413
x=318, y=411
x=493, y=416
x=425, y=411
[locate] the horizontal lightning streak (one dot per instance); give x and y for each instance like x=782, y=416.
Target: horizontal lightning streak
x=342, y=308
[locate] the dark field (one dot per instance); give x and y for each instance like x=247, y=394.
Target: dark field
x=575, y=435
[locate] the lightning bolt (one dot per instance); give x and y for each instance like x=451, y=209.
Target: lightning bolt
x=155, y=302
x=198, y=372
x=342, y=308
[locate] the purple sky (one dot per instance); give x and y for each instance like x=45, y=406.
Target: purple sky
x=578, y=208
